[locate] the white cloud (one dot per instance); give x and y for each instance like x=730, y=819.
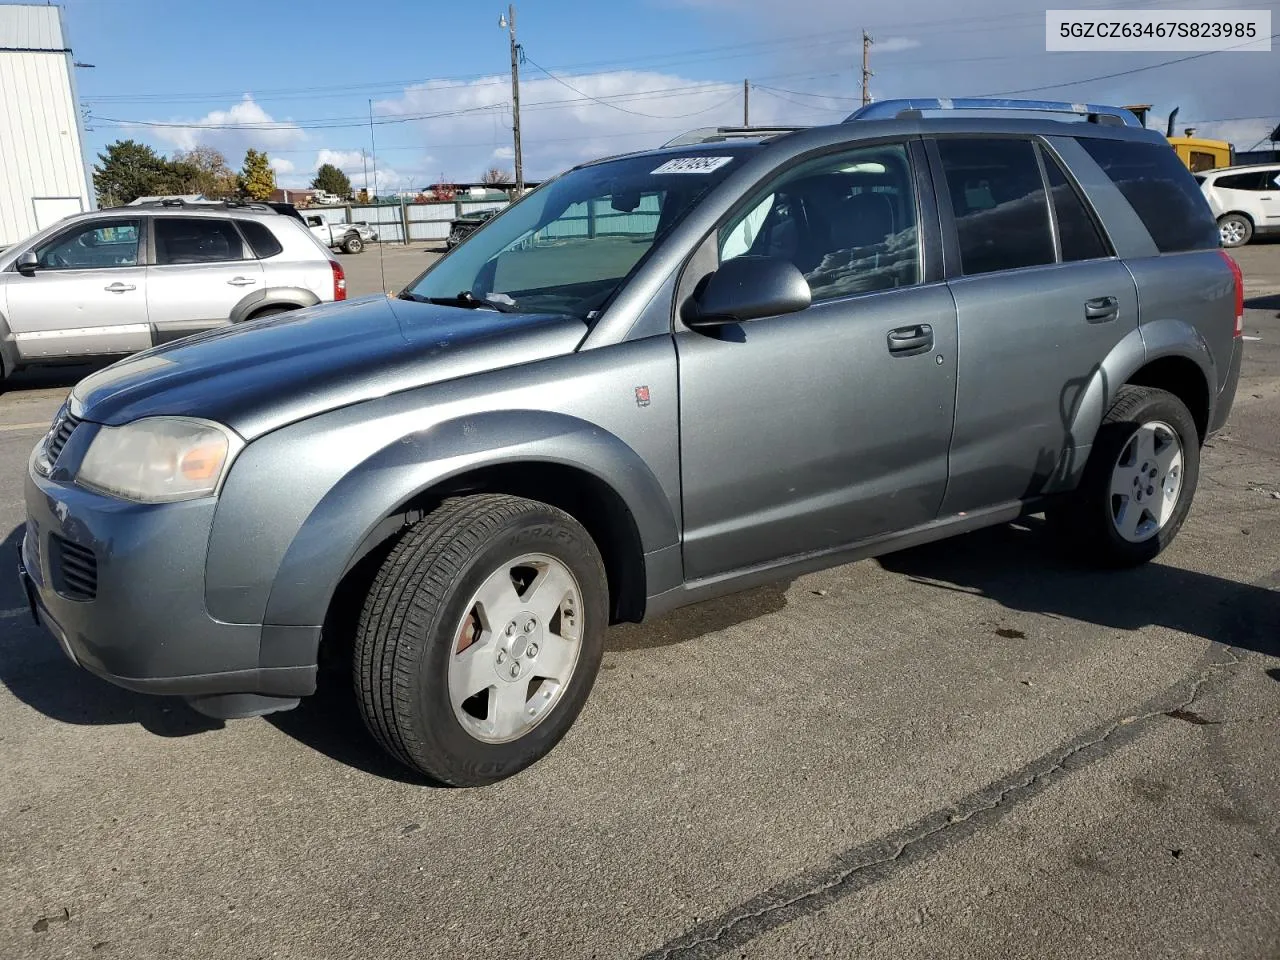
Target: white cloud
x=894, y=44
x=282, y=166
x=251, y=126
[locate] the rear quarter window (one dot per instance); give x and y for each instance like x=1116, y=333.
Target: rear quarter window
x=1161, y=191
x=260, y=237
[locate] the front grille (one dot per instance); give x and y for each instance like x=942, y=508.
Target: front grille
x=74, y=569
x=63, y=427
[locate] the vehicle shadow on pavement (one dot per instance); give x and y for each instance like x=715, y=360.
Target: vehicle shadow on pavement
x=700, y=619
x=46, y=378
x=34, y=669
x=1021, y=567
x=1269, y=302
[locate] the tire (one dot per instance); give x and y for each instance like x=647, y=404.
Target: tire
x=1109, y=529
x=1234, y=229
x=353, y=244
x=412, y=680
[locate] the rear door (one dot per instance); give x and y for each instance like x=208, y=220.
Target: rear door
x=88, y=294
x=1040, y=301
x=805, y=432
x=201, y=270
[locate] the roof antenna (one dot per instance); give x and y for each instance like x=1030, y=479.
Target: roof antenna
x=382, y=270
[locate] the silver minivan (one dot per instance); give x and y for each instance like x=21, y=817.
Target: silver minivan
x=121, y=280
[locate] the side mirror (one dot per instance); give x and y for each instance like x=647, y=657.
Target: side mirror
x=27, y=263
x=748, y=288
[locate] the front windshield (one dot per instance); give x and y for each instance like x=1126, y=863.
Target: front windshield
x=566, y=247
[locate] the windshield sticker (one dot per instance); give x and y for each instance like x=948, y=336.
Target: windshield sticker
x=693, y=165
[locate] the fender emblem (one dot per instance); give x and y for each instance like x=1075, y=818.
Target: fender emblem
x=642, y=396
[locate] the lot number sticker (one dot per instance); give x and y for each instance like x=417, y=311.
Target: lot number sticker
x=693, y=165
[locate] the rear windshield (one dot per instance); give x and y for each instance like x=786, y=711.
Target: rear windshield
x=1161, y=191
x=569, y=245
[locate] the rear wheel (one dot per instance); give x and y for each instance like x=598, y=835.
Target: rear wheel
x=1138, y=484
x=481, y=637
x=1234, y=229
x=353, y=243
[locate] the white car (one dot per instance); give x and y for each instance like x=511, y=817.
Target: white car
x=1246, y=200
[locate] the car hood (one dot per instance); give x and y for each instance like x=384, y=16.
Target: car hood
x=260, y=375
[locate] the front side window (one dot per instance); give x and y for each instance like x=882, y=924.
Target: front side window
x=848, y=223
x=103, y=243
x=998, y=196
x=1258, y=181
x=568, y=246
x=196, y=240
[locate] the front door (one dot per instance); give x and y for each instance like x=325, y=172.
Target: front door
x=87, y=296
x=806, y=432
x=1041, y=301
x=202, y=268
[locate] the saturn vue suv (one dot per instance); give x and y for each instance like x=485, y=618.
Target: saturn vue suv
x=657, y=378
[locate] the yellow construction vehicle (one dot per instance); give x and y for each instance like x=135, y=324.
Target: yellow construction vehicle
x=1197, y=153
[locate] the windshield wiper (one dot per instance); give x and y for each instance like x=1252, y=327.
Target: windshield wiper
x=464, y=299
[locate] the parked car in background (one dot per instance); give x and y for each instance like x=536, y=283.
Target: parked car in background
x=122, y=279
x=463, y=226
x=1244, y=199
x=349, y=237
x=763, y=355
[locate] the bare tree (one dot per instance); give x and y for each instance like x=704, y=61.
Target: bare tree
x=495, y=177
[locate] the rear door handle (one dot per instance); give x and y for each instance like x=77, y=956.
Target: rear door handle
x=909, y=341
x=241, y=281
x=1101, y=309
x=119, y=287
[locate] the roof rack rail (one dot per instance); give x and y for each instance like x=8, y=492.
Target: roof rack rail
x=203, y=204
x=720, y=134
x=913, y=109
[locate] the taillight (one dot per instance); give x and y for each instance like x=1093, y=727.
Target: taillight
x=339, y=281
x=1239, y=277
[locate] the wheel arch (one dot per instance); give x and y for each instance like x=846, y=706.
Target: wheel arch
x=291, y=297
x=1169, y=354
x=587, y=471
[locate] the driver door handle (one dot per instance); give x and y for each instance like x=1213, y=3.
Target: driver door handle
x=241, y=281
x=119, y=287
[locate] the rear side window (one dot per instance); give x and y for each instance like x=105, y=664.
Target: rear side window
x=196, y=240
x=1161, y=191
x=997, y=194
x=261, y=238
x=1078, y=233
x=1257, y=180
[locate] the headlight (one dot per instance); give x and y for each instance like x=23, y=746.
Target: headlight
x=159, y=459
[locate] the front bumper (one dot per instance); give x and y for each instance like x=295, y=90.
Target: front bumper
x=121, y=587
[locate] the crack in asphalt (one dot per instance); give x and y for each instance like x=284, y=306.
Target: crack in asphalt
x=876, y=861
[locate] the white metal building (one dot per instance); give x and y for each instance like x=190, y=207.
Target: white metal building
x=44, y=175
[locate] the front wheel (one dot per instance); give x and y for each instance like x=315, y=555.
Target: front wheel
x=481, y=637
x=1234, y=230
x=1138, y=484
x=353, y=244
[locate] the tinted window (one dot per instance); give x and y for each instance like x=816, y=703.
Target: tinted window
x=192, y=240
x=847, y=222
x=102, y=243
x=1078, y=233
x=1161, y=191
x=260, y=237
x=1245, y=181
x=1002, y=214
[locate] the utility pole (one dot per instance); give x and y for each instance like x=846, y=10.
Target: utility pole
x=364, y=165
x=509, y=21
x=866, y=68
x=746, y=103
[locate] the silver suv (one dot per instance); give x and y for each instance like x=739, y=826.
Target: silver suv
x=656, y=378
x=120, y=280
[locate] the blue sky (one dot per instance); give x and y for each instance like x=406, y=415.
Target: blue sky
x=296, y=78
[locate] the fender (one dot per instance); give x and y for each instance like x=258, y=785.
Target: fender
x=9, y=359
x=271, y=297
x=286, y=574
x=1148, y=342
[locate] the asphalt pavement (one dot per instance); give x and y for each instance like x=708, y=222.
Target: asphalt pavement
x=971, y=749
